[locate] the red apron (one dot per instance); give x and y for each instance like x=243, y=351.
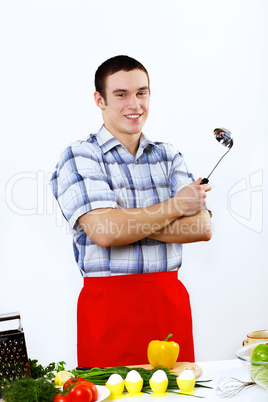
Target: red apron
x=117, y=317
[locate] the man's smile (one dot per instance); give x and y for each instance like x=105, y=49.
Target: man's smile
x=132, y=116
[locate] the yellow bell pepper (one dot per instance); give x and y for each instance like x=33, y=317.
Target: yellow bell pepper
x=163, y=353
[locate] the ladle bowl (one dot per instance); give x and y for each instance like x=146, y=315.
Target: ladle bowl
x=225, y=138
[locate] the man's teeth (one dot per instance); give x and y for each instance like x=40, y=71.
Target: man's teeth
x=133, y=116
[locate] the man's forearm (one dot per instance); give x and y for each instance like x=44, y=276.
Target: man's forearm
x=116, y=227
x=186, y=229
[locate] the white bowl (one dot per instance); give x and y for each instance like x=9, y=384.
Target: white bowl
x=257, y=370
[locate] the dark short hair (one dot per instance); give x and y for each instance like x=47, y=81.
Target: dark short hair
x=113, y=65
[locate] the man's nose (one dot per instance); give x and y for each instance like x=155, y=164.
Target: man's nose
x=133, y=102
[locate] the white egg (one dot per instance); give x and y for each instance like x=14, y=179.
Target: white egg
x=133, y=376
x=114, y=379
x=159, y=376
x=187, y=375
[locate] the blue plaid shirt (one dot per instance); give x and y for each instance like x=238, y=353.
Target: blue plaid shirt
x=100, y=173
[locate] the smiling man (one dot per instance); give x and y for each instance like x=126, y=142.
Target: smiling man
x=131, y=204
x=125, y=105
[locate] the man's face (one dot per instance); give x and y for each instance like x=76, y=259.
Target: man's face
x=127, y=102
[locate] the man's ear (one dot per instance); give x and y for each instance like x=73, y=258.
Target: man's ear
x=100, y=102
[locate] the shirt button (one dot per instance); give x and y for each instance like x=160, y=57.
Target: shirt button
x=153, y=266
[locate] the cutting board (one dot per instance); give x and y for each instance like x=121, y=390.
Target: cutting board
x=178, y=368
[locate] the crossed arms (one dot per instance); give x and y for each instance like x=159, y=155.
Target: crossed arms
x=180, y=219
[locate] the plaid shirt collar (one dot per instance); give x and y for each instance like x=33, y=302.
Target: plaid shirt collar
x=107, y=141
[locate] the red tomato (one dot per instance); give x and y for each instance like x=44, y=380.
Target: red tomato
x=73, y=381
x=80, y=394
x=61, y=398
x=92, y=388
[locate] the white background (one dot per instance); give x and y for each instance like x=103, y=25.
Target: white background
x=208, y=66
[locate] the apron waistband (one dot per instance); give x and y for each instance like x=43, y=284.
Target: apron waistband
x=129, y=280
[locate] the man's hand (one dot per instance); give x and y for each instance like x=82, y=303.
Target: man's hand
x=191, y=199
x=187, y=229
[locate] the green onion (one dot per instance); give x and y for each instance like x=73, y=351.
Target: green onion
x=100, y=376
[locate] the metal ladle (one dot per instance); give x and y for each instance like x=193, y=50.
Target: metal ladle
x=225, y=138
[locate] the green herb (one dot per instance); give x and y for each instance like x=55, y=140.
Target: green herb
x=30, y=390
x=181, y=393
x=38, y=384
x=39, y=371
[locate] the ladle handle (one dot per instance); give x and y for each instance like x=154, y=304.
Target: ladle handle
x=204, y=181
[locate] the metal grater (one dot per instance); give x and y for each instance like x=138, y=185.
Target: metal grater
x=13, y=353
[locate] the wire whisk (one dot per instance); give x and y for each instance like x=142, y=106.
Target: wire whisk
x=227, y=387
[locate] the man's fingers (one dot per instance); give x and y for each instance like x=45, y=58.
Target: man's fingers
x=205, y=187
x=198, y=181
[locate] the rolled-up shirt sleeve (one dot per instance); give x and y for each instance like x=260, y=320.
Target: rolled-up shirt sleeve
x=79, y=183
x=179, y=176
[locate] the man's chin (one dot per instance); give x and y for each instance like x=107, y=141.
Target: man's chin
x=136, y=129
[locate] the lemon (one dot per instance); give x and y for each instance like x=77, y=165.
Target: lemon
x=62, y=377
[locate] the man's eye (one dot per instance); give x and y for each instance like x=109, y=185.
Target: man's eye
x=142, y=93
x=121, y=95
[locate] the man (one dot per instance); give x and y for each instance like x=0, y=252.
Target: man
x=131, y=204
